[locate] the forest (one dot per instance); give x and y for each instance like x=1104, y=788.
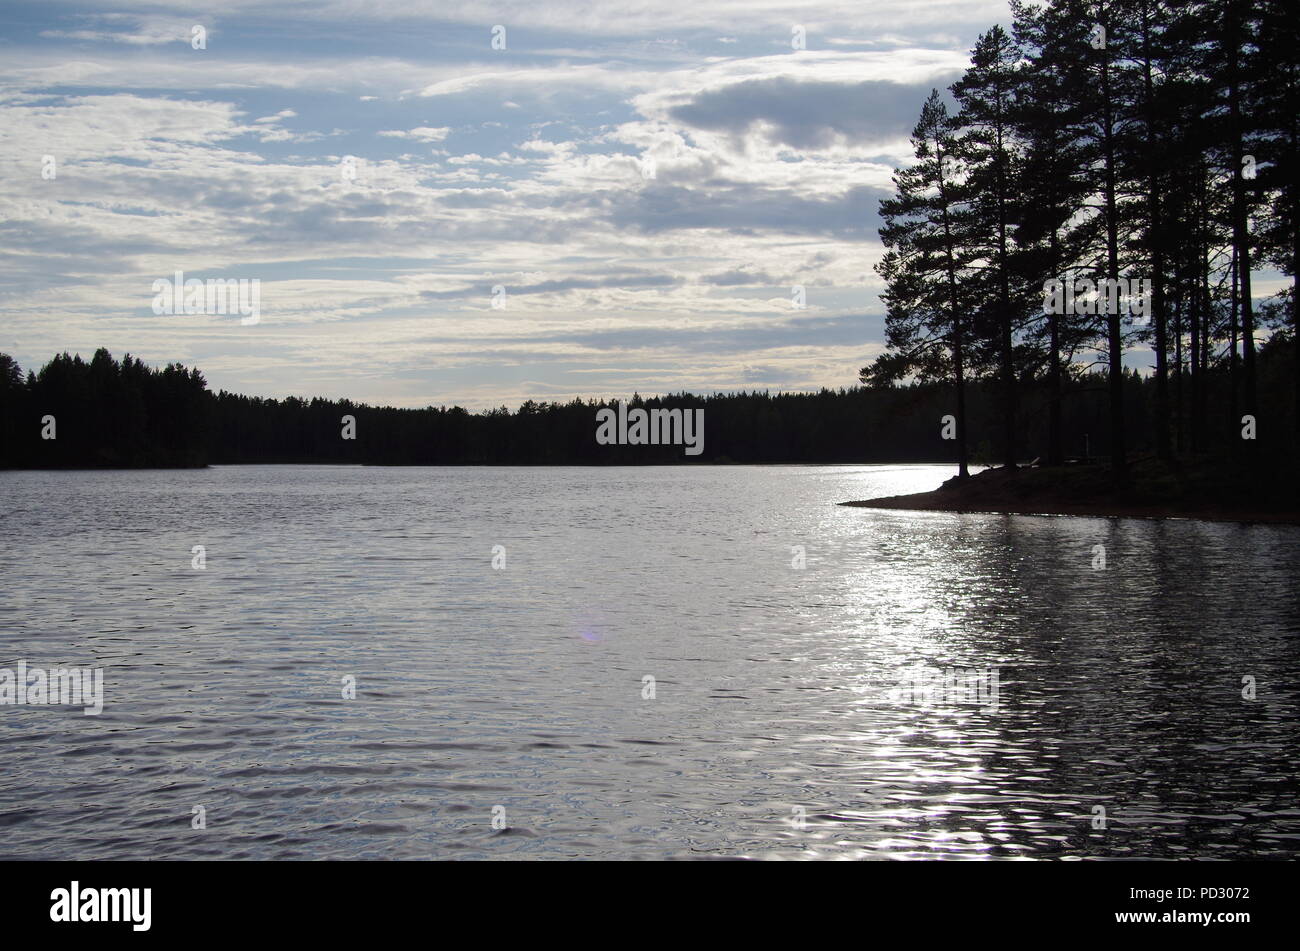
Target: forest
x=1105, y=147
x=110, y=413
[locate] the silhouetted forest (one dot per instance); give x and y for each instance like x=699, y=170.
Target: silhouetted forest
x=103, y=414
x=110, y=414
x=1103, y=147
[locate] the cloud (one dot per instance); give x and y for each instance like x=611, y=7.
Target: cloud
x=420, y=133
x=647, y=191
x=140, y=29
x=749, y=209
x=615, y=18
x=807, y=114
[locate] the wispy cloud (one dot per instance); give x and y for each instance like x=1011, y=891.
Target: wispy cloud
x=644, y=190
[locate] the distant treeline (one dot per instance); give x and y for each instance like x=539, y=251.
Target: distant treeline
x=103, y=413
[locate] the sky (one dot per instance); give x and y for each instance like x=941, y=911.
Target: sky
x=646, y=182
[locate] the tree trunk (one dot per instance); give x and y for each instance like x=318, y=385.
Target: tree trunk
x=1155, y=239
x=958, y=354
x=1234, y=421
x=1240, y=211
x=1114, y=332
x=1055, y=456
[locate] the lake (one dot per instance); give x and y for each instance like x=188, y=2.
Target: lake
x=667, y=662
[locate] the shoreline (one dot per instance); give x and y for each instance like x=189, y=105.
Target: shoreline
x=1158, y=492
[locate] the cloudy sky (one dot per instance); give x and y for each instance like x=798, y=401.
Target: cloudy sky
x=647, y=181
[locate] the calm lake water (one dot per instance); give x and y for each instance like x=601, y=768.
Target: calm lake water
x=781, y=724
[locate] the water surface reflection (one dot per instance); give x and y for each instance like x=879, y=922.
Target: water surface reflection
x=776, y=728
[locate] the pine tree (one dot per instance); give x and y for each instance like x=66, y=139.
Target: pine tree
x=1052, y=187
x=926, y=267
x=1279, y=173
x=990, y=159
